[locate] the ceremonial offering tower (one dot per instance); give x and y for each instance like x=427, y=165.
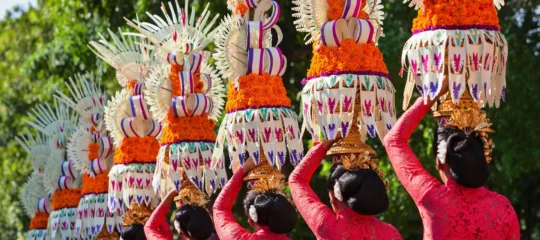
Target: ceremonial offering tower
x=458, y=44
x=36, y=202
x=186, y=96
x=60, y=177
x=90, y=149
x=259, y=122
x=347, y=88
x=133, y=129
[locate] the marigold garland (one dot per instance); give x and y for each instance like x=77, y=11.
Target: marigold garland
x=240, y=9
x=347, y=57
x=336, y=8
x=39, y=221
x=67, y=198
x=97, y=184
x=94, y=148
x=137, y=149
x=196, y=128
x=256, y=91
x=442, y=13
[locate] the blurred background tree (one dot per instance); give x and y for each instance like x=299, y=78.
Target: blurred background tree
x=44, y=44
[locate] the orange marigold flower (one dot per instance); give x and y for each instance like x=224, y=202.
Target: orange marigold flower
x=257, y=91
x=97, y=184
x=196, y=128
x=336, y=8
x=92, y=156
x=137, y=149
x=444, y=13
x=94, y=147
x=39, y=221
x=66, y=198
x=347, y=57
x=241, y=9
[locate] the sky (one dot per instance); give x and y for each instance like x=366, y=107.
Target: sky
x=9, y=4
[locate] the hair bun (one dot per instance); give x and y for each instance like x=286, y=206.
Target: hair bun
x=273, y=210
x=465, y=157
x=133, y=232
x=364, y=191
x=194, y=221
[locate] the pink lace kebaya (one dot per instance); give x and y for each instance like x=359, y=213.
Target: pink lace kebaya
x=325, y=224
x=448, y=211
x=226, y=226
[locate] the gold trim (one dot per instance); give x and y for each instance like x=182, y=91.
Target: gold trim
x=136, y=214
x=265, y=177
x=190, y=195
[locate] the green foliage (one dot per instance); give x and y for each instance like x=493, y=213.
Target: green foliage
x=43, y=46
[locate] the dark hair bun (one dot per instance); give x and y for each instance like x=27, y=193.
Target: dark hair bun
x=133, y=232
x=273, y=210
x=194, y=221
x=362, y=190
x=465, y=156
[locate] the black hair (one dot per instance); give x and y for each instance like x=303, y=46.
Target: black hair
x=363, y=190
x=133, y=232
x=464, y=155
x=194, y=221
x=273, y=210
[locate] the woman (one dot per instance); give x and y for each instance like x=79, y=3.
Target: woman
x=460, y=207
x=191, y=222
x=269, y=213
x=361, y=194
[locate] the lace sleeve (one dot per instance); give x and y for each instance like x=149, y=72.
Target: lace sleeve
x=157, y=228
x=416, y=180
x=318, y=216
x=226, y=226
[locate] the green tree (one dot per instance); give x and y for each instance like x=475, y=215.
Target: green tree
x=46, y=44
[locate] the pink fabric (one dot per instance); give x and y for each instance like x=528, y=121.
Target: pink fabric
x=157, y=228
x=324, y=223
x=448, y=211
x=226, y=226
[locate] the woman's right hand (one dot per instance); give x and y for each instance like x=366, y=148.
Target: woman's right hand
x=248, y=166
x=328, y=143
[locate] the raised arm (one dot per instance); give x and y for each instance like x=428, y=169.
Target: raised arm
x=157, y=228
x=226, y=226
x=318, y=216
x=416, y=180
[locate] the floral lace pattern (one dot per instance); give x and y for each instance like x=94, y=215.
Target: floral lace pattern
x=448, y=211
x=324, y=223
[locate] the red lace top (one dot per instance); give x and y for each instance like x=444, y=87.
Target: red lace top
x=325, y=224
x=226, y=226
x=157, y=228
x=448, y=211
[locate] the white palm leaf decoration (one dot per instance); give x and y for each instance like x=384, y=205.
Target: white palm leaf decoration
x=498, y=4
x=32, y=192
x=111, y=109
x=85, y=96
x=417, y=4
x=78, y=149
x=374, y=9
x=159, y=91
x=131, y=60
x=37, y=147
x=311, y=15
x=53, y=169
x=178, y=31
x=51, y=122
x=217, y=90
x=231, y=48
